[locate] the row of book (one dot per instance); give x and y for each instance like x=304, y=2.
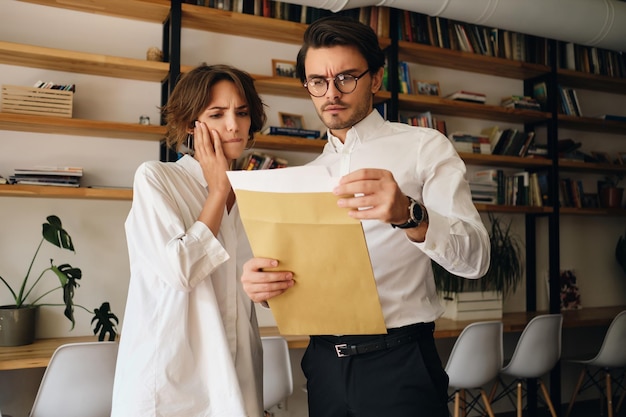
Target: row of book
x=376, y=17
x=591, y=60
x=569, y=102
x=425, y=119
x=467, y=37
x=494, y=141
x=494, y=186
x=59, y=176
x=53, y=86
x=258, y=160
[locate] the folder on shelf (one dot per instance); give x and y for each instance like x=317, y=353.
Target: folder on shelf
x=290, y=215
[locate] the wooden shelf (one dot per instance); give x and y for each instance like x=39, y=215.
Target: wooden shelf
x=80, y=127
x=289, y=143
x=465, y=61
x=50, y=191
x=577, y=79
x=440, y=105
x=147, y=10
x=503, y=160
x=565, y=165
x=37, y=355
x=82, y=62
x=591, y=124
x=572, y=211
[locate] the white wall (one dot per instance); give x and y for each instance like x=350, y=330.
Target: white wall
x=97, y=226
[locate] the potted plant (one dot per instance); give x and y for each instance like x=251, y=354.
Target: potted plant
x=24, y=311
x=620, y=252
x=505, y=272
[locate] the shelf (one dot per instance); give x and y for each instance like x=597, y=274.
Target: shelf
x=566, y=165
x=503, y=160
x=592, y=124
x=289, y=143
x=82, y=62
x=496, y=208
x=440, y=105
x=50, y=191
x=80, y=127
x=577, y=79
x=155, y=11
x=615, y=212
x=465, y=61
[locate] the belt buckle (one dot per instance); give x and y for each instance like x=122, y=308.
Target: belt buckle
x=338, y=350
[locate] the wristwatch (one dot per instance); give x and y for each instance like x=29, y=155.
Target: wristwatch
x=417, y=215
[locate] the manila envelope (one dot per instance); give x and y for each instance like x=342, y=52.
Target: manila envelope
x=335, y=291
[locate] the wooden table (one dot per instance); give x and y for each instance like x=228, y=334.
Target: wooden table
x=38, y=354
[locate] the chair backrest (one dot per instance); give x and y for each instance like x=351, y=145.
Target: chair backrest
x=476, y=356
x=277, y=376
x=78, y=381
x=538, y=348
x=612, y=353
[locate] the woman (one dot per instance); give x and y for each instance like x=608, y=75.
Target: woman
x=190, y=344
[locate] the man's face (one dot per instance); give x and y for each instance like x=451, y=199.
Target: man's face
x=340, y=111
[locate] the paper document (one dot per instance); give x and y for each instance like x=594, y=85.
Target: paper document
x=290, y=214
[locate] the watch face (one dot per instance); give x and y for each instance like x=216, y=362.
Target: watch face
x=416, y=212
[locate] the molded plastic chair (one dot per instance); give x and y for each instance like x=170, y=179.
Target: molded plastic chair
x=474, y=361
x=277, y=376
x=610, y=357
x=537, y=351
x=78, y=381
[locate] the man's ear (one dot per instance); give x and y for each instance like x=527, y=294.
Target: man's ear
x=377, y=80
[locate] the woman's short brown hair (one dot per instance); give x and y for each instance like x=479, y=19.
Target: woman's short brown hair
x=191, y=96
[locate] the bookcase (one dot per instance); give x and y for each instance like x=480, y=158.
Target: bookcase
x=546, y=220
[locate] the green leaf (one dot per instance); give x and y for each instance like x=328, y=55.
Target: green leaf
x=106, y=322
x=54, y=233
x=68, y=277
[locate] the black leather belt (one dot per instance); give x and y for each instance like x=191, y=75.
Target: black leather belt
x=344, y=349
x=395, y=337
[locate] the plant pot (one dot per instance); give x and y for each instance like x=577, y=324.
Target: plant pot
x=611, y=197
x=17, y=325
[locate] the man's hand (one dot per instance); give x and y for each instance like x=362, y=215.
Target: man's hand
x=373, y=194
x=262, y=285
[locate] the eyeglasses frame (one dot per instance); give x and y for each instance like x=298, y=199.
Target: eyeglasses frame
x=356, y=79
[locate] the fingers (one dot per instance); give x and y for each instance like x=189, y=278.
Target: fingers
x=261, y=285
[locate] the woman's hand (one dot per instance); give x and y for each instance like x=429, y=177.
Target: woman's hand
x=262, y=285
x=208, y=151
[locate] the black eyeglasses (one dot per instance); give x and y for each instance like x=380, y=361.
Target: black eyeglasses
x=345, y=83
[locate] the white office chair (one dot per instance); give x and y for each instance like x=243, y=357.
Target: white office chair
x=537, y=351
x=78, y=381
x=277, y=376
x=474, y=361
x=610, y=357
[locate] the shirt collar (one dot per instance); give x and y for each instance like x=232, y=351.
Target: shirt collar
x=189, y=164
x=363, y=131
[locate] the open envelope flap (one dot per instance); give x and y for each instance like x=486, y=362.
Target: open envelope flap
x=335, y=290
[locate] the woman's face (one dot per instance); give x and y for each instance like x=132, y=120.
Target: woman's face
x=228, y=114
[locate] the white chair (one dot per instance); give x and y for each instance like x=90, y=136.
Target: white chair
x=474, y=361
x=537, y=351
x=78, y=381
x=277, y=376
x=610, y=358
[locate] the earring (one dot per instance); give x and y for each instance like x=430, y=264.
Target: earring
x=187, y=148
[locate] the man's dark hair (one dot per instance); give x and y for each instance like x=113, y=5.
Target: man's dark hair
x=340, y=30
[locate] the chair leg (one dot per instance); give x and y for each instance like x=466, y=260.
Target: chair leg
x=457, y=401
x=621, y=400
x=575, y=393
x=546, y=397
x=464, y=400
x=519, y=399
x=483, y=394
x=609, y=394
x=494, y=388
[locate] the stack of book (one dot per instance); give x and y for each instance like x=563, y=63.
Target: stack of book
x=520, y=102
x=467, y=142
x=292, y=131
x=485, y=184
x=468, y=96
x=59, y=176
x=256, y=160
x=511, y=142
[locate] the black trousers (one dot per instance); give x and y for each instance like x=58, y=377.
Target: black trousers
x=404, y=380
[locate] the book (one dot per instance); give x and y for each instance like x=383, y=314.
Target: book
x=43, y=170
x=612, y=117
x=292, y=131
x=468, y=96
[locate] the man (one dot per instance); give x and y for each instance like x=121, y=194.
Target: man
x=407, y=186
